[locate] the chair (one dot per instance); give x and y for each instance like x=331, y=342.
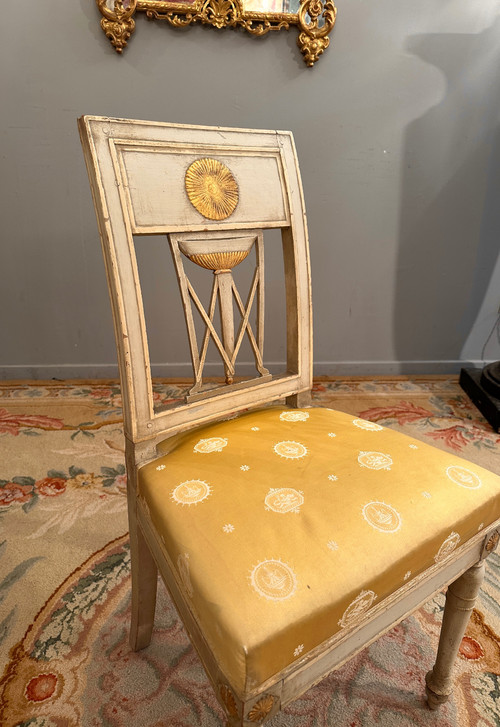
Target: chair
x=289, y=537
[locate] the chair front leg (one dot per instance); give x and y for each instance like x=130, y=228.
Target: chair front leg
x=460, y=600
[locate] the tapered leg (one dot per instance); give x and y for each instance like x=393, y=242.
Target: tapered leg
x=460, y=600
x=144, y=581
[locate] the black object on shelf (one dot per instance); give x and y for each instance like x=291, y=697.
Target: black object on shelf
x=483, y=388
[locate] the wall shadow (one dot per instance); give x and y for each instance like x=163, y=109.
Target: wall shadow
x=449, y=231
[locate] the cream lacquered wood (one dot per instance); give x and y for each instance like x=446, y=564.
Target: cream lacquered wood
x=132, y=166
x=223, y=291
x=112, y=150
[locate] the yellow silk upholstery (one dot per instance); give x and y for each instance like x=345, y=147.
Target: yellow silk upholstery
x=285, y=526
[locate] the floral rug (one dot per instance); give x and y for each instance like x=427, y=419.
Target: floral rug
x=64, y=577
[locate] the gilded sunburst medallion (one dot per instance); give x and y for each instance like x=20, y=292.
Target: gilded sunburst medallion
x=211, y=188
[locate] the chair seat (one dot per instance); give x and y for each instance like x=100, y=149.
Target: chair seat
x=286, y=526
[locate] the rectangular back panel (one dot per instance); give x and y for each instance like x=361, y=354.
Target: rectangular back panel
x=151, y=178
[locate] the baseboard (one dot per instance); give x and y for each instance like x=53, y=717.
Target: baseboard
x=321, y=368
x=393, y=368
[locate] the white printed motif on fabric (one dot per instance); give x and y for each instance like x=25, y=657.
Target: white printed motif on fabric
x=375, y=460
x=357, y=608
x=332, y=545
x=463, y=477
x=191, y=492
x=294, y=416
x=213, y=444
x=333, y=478
x=298, y=651
x=284, y=499
x=447, y=547
x=369, y=426
x=290, y=450
x=244, y=467
x=407, y=574
x=273, y=580
x=183, y=568
x=161, y=467
x=382, y=517
x=228, y=528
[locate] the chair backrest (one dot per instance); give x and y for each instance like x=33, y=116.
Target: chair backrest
x=212, y=191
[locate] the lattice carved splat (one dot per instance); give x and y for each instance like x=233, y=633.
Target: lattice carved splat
x=221, y=252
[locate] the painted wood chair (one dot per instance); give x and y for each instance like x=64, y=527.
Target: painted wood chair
x=288, y=537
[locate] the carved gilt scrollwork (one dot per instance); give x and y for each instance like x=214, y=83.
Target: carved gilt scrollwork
x=261, y=27
x=118, y=24
x=314, y=38
x=315, y=20
x=220, y=13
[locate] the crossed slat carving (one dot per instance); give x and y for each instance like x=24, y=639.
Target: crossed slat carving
x=220, y=256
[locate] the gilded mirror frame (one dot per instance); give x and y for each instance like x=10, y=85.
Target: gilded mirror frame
x=314, y=20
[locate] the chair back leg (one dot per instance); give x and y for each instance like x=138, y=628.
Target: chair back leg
x=144, y=583
x=460, y=599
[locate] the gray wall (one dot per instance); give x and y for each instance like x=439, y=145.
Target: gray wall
x=397, y=129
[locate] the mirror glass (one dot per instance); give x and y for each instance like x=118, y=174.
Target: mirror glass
x=271, y=6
